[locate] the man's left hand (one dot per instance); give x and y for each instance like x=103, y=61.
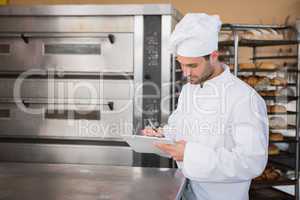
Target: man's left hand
x=175, y=150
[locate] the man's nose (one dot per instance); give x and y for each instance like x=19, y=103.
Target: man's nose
x=186, y=71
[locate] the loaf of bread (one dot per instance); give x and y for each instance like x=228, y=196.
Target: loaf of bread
x=231, y=66
x=273, y=150
x=251, y=35
x=269, y=174
x=225, y=36
x=267, y=66
x=276, y=137
x=277, y=123
x=270, y=34
x=263, y=81
x=262, y=34
x=269, y=93
x=243, y=78
x=276, y=109
x=247, y=66
x=252, y=80
x=278, y=81
x=272, y=175
x=276, y=35
x=286, y=92
x=255, y=81
x=266, y=34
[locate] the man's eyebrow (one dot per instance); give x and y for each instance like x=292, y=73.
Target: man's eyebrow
x=191, y=64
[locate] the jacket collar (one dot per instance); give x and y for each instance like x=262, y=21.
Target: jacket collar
x=223, y=77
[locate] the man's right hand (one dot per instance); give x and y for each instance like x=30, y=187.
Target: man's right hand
x=152, y=133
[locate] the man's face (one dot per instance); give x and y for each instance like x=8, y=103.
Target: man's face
x=196, y=69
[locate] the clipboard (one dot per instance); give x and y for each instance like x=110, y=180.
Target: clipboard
x=145, y=144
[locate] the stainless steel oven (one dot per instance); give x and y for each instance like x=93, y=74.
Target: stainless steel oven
x=74, y=78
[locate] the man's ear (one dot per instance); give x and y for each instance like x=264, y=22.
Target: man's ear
x=214, y=57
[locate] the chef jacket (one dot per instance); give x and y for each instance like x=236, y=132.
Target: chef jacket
x=225, y=124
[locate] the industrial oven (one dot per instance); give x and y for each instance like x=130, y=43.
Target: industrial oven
x=74, y=78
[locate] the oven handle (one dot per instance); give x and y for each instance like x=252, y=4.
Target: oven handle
x=72, y=114
x=27, y=102
x=26, y=36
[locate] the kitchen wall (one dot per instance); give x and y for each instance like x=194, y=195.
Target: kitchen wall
x=233, y=11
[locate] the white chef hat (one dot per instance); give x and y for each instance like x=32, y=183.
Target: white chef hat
x=195, y=35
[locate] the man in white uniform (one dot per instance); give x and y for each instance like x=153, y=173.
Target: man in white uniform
x=221, y=123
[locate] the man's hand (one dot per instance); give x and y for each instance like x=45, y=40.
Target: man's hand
x=175, y=150
x=152, y=133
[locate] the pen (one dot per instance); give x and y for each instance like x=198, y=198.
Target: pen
x=152, y=125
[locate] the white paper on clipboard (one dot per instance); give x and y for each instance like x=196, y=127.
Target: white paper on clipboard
x=145, y=144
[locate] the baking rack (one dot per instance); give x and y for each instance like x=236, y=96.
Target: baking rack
x=285, y=160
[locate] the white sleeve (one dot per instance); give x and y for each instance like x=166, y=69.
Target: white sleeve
x=246, y=160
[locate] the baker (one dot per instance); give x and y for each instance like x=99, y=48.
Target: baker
x=220, y=124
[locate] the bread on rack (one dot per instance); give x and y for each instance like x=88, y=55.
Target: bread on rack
x=252, y=80
x=244, y=66
x=269, y=93
x=276, y=109
x=269, y=174
x=267, y=66
x=272, y=175
x=255, y=81
x=278, y=81
x=286, y=92
x=277, y=122
x=243, y=78
x=261, y=34
x=276, y=137
x=263, y=81
x=231, y=66
x=225, y=36
x=273, y=150
x=276, y=35
x=251, y=35
x=266, y=34
x=270, y=34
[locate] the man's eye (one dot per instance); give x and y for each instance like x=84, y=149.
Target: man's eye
x=192, y=65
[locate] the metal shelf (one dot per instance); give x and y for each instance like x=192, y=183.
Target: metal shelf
x=280, y=165
x=274, y=57
x=283, y=154
x=286, y=140
x=289, y=85
x=269, y=194
x=242, y=27
x=283, y=113
x=262, y=190
x=225, y=56
x=289, y=127
x=280, y=98
x=271, y=70
x=259, y=43
x=269, y=183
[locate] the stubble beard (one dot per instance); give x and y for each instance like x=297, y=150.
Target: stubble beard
x=204, y=77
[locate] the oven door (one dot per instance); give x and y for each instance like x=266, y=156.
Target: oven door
x=78, y=53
